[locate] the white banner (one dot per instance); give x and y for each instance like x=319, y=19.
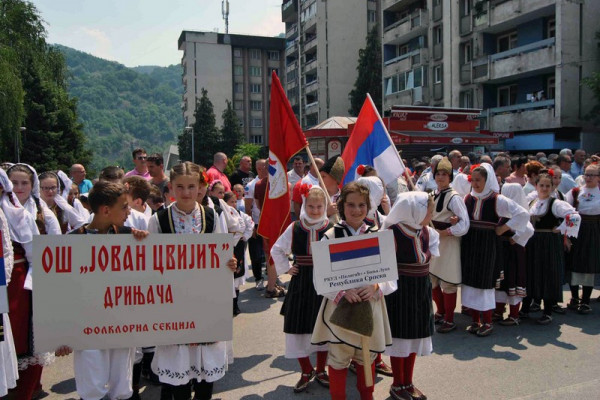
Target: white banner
x=112, y=291
x=348, y=263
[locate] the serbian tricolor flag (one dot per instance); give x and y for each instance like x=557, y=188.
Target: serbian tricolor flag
x=285, y=139
x=3, y=293
x=370, y=144
x=354, y=254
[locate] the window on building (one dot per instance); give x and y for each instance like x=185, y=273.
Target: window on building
x=465, y=7
x=257, y=139
x=507, y=95
x=273, y=55
x=238, y=105
x=273, y=69
x=416, y=59
x=466, y=54
x=402, y=49
x=551, y=88
x=507, y=41
x=238, y=70
x=551, y=28
x=437, y=3
x=406, y=80
x=466, y=99
x=437, y=34
x=256, y=122
x=237, y=52
x=256, y=105
x=255, y=88
x=371, y=16
x=238, y=87
x=255, y=71
x=255, y=54
x=437, y=74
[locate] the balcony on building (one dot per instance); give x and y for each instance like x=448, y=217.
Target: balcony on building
x=291, y=49
x=291, y=66
x=403, y=57
x=289, y=11
x=500, y=15
x=395, y=4
x=310, y=64
x=401, y=27
x=407, y=88
x=310, y=44
x=291, y=32
x=311, y=86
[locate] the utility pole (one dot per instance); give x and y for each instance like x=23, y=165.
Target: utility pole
x=225, y=13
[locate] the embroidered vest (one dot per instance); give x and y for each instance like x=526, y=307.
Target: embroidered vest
x=547, y=220
x=442, y=212
x=486, y=208
x=165, y=220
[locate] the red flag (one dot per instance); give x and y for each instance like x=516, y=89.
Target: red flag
x=285, y=139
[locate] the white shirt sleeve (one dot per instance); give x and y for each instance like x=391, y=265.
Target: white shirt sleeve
x=518, y=216
x=572, y=219
x=282, y=249
x=458, y=207
x=153, y=225
x=434, y=242
x=74, y=217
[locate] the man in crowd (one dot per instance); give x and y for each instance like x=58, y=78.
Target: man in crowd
x=156, y=170
x=216, y=171
x=255, y=242
x=519, y=171
x=243, y=174
x=566, y=181
x=312, y=178
x=502, y=168
x=454, y=157
x=426, y=183
x=140, y=160
x=577, y=166
x=78, y=176
x=295, y=175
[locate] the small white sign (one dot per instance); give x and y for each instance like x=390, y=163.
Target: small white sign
x=437, y=126
x=112, y=291
x=351, y=262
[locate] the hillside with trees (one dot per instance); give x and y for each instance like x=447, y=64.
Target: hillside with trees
x=123, y=108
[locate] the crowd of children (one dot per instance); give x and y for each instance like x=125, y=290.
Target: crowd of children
x=500, y=243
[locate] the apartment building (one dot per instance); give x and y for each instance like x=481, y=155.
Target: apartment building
x=520, y=61
x=321, y=55
x=235, y=68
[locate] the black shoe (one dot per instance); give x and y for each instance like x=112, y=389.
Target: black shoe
x=558, y=309
x=535, y=307
x=236, y=310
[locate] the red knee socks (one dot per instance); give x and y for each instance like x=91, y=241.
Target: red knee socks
x=500, y=308
x=305, y=365
x=321, y=361
x=475, y=315
x=28, y=381
x=438, y=299
x=514, y=311
x=487, y=316
x=366, y=393
x=398, y=371
x=449, y=306
x=337, y=383
x=409, y=367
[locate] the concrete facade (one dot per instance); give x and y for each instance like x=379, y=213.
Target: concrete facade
x=235, y=68
x=521, y=61
x=323, y=40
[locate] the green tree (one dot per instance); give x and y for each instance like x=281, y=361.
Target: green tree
x=53, y=139
x=231, y=134
x=207, y=138
x=369, y=74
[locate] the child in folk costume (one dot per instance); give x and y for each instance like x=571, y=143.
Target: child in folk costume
x=109, y=371
x=241, y=235
x=513, y=287
x=451, y=221
x=353, y=206
x=23, y=206
x=545, y=252
x=301, y=303
x=585, y=254
x=9, y=372
x=481, y=248
x=52, y=193
x=409, y=308
x=177, y=365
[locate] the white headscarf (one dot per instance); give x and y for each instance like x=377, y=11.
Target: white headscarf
x=22, y=224
x=514, y=191
x=491, y=183
x=314, y=221
x=376, y=191
x=35, y=187
x=409, y=209
x=67, y=183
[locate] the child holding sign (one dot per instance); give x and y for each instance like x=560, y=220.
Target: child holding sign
x=109, y=371
x=177, y=365
x=301, y=304
x=409, y=308
x=353, y=206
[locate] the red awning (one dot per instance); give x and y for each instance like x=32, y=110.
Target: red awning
x=457, y=138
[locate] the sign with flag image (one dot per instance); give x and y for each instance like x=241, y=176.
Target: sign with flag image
x=351, y=262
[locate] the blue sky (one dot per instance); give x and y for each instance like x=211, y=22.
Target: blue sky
x=145, y=32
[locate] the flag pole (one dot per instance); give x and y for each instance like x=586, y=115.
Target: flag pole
x=408, y=179
x=321, y=183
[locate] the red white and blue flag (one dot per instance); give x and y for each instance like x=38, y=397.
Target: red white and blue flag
x=370, y=144
x=354, y=254
x=285, y=140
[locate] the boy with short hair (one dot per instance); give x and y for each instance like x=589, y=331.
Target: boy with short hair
x=109, y=371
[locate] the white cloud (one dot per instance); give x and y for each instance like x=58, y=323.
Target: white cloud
x=99, y=43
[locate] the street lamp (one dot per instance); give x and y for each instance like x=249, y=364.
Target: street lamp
x=17, y=147
x=191, y=129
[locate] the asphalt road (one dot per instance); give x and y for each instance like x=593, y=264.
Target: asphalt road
x=530, y=361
